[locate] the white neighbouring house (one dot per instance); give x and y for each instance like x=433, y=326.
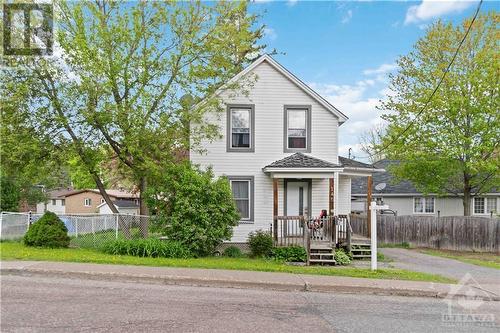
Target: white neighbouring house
x=280, y=142
x=122, y=206
x=404, y=199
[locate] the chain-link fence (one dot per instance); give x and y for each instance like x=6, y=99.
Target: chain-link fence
x=85, y=230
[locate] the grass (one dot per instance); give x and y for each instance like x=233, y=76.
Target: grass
x=403, y=245
x=17, y=251
x=490, y=260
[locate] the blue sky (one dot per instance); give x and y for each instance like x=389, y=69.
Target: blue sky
x=344, y=50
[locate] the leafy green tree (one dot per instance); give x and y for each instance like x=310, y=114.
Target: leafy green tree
x=193, y=208
x=453, y=145
x=9, y=201
x=119, y=76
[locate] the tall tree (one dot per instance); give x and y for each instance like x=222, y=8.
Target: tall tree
x=452, y=146
x=121, y=73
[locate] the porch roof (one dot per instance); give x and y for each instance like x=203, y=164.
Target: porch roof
x=299, y=160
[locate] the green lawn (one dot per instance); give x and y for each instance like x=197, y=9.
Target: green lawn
x=17, y=251
x=490, y=260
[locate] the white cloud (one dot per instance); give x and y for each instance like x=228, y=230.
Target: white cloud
x=270, y=33
x=382, y=69
x=291, y=3
x=347, y=17
x=429, y=9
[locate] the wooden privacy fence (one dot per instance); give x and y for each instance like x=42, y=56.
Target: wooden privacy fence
x=460, y=233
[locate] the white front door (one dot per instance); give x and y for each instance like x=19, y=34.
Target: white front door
x=297, y=202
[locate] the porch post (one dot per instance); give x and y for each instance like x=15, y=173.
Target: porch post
x=275, y=209
x=331, y=195
x=369, y=182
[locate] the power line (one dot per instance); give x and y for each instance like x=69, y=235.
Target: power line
x=435, y=89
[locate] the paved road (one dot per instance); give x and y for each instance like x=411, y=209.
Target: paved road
x=416, y=261
x=43, y=304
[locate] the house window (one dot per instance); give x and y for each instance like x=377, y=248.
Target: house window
x=102, y=200
x=54, y=202
x=423, y=205
x=492, y=205
x=240, y=128
x=242, y=188
x=63, y=202
x=485, y=205
x=87, y=202
x=297, y=131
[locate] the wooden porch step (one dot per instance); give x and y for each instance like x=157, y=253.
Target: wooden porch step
x=321, y=256
x=361, y=256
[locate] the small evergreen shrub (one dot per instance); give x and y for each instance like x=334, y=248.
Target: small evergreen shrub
x=232, y=252
x=49, y=231
x=149, y=247
x=290, y=254
x=341, y=257
x=261, y=243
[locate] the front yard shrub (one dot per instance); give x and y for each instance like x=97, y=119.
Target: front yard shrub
x=49, y=231
x=261, y=243
x=290, y=254
x=232, y=252
x=193, y=208
x=341, y=257
x=149, y=247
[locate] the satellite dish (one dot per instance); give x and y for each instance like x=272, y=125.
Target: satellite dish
x=380, y=186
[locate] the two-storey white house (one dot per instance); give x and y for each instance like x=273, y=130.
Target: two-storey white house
x=279, y=150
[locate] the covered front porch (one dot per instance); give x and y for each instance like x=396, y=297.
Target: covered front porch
x=311, y=204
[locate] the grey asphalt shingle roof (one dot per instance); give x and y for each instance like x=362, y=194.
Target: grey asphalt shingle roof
x=125, y=203
x=348, y=163
x=358, y=185
x=299, y=160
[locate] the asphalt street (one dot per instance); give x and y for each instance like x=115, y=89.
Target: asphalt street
x=54, y=304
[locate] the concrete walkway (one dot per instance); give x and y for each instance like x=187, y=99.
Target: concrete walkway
x=243, y=279
x=487, y=278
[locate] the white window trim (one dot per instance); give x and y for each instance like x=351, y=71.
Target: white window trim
x=486, y=207
x=85, y=202
x=424, y=201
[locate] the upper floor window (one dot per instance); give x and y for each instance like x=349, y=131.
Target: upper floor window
x=54, y=202
x=87, y=202
x=423, y=205
x=63, y=202
x=240, y=128
x=297, y=136
x=102, y=200
x=485, y=205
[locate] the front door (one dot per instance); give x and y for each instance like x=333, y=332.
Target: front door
x=297, y=194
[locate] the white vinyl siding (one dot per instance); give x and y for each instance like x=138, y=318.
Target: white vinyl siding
x=423, y=205
x=269, y=95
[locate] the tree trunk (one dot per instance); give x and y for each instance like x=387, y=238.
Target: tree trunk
x=467, y=196
x=143, y=208
x=122, y=224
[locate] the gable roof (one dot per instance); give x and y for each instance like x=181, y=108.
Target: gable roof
x=299, y=160
x=294, y=79
x=119, y=194
x=59, y=193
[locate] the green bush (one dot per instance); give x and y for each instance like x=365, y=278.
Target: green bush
x=193, y=208
x=261, y=243
x=149, y=247
x=232, y=252
x=290, y=254
x=48, y=231
x=341, y=257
